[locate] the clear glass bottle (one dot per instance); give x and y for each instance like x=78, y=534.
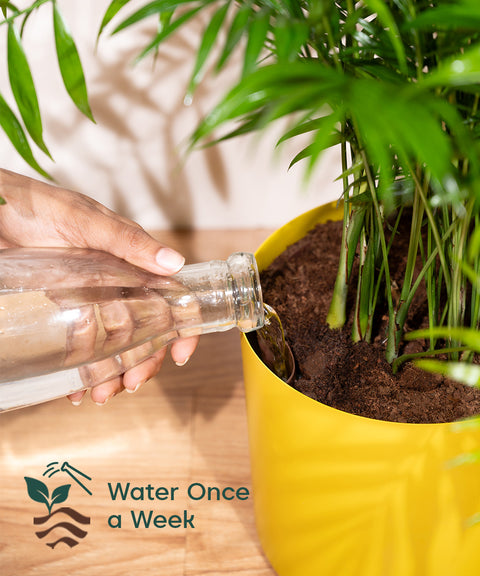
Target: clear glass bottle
x=71, y=319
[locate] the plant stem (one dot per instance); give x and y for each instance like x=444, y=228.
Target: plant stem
x=475, y=299
x=407, y=357
x=337, y=311
x=391, y=350
x=456, y=304
x=436, y=234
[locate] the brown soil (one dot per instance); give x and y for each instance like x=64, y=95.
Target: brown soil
x=331, y=368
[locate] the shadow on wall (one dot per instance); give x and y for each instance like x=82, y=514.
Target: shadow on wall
x=142, y=130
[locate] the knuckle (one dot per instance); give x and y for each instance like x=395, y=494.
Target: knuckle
x=135, y=238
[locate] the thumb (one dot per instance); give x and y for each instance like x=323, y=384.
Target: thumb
x=130, y=242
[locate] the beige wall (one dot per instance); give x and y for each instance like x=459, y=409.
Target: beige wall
x=131, y=160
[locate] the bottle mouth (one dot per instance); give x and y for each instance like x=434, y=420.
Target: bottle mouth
x=247, y=291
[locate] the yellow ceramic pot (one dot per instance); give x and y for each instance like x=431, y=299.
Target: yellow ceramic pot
x=341, y=495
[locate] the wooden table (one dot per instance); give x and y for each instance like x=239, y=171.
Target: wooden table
x=186, y=426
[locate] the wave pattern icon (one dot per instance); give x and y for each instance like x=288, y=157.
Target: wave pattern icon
x=63, y=525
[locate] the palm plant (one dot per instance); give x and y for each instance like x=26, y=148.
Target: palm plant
x=395, y=84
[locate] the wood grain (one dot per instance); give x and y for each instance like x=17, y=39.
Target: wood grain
x=187, y=425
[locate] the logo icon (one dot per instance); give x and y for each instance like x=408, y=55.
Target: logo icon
x=63, y=519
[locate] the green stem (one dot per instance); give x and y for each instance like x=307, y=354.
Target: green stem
x=436, y=234
x=457, y=301
x=413, y=246
x=357, y=323
x=407, y=357
x=336, y=316
x=403, y=310
x=391, y=349
x=331, y=43
x=380, y=273
x=475, y=310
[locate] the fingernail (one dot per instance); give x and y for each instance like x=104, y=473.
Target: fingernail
x=169, y=259
x=105, y=401
x=132, y=390
x=76, y=402
x=184, y=362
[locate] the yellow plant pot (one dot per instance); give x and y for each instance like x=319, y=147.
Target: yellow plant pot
x=341, y=495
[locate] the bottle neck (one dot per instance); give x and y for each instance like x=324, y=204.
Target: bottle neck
x=246, y=291
x=226, y=294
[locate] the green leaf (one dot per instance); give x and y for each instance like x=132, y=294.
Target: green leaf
x=151, y=9
x=235, y=33
x=208, y=40
x=470, y=273
x=456, y=16
x=409, y=126
x=38, y=491
x=461, y=70
x=467, y=424
x=468, y=336
x=386, y=18
x=70, y=64
x=114, y=7
x=13, y=129
x=468, y=374
x=23, y=88
x=472, y=520
x=144, y=12
x=303, y=128
x=324, y=137
x=257, y=33
x=290, y=36
x=168, y=30
x=270, y=89
x=462, y=459
x=164, y=19
x=474, y=248
x=60, y=494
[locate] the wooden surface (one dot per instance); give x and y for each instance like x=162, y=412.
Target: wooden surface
x=186, y=426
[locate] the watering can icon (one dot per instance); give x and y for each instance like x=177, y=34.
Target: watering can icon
x=73, y=472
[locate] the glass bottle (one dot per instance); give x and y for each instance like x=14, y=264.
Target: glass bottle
x=71, y=319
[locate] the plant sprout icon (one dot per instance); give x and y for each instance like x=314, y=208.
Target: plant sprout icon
x=54, y=467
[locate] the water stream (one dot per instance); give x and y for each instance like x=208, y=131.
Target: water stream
x=272, y=347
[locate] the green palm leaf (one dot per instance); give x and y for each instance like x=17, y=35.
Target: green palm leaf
x=114, y=7
x=70, y=64
x=208, y=40
x=468, y=336
x=170, y=27
x=23, y=88
x=235, y=32
x=152, y=9
x=257, y=34
x=13, y=129
x=381, y=9
x=270, y=88
x=463, y=15
x=468, y=374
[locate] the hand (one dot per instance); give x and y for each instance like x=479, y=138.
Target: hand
x=38, y=214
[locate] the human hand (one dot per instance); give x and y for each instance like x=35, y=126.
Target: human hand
x=38, y=214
